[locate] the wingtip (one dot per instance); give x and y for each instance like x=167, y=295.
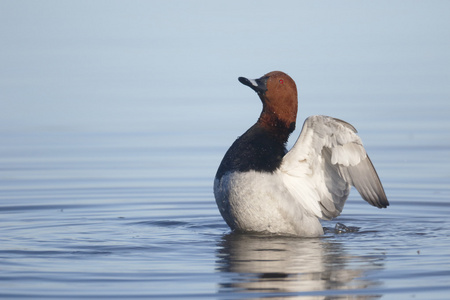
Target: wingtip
x=381, y=198
x=384, y=202
x=376, y=200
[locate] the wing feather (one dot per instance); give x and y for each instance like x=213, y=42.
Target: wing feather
x=327, y=158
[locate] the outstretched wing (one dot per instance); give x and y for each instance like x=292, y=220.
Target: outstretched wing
x=327, y=158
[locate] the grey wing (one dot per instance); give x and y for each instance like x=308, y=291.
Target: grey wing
x=327, y=158
x=364, y=178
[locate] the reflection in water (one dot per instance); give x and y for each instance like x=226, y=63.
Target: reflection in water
x=278, y=265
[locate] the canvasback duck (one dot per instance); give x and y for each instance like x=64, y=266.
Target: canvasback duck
x=261, y=187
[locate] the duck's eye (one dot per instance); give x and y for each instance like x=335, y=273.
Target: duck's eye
x=281, y=81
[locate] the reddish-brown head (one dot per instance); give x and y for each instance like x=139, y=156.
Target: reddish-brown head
x=278, y=94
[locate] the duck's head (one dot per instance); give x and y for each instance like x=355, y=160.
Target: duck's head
x=278, y=93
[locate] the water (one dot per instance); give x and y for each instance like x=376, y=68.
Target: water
x=114, y=121
x=102, y=215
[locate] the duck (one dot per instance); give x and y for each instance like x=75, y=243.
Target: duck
x=261, y=187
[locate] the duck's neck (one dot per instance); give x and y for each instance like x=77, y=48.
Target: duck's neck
x=280, y=129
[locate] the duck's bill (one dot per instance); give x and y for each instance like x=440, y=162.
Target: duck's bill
x=258, y=85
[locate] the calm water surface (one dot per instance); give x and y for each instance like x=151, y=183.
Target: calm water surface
x=132, y=215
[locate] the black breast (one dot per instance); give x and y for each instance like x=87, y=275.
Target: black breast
x=257, y=149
